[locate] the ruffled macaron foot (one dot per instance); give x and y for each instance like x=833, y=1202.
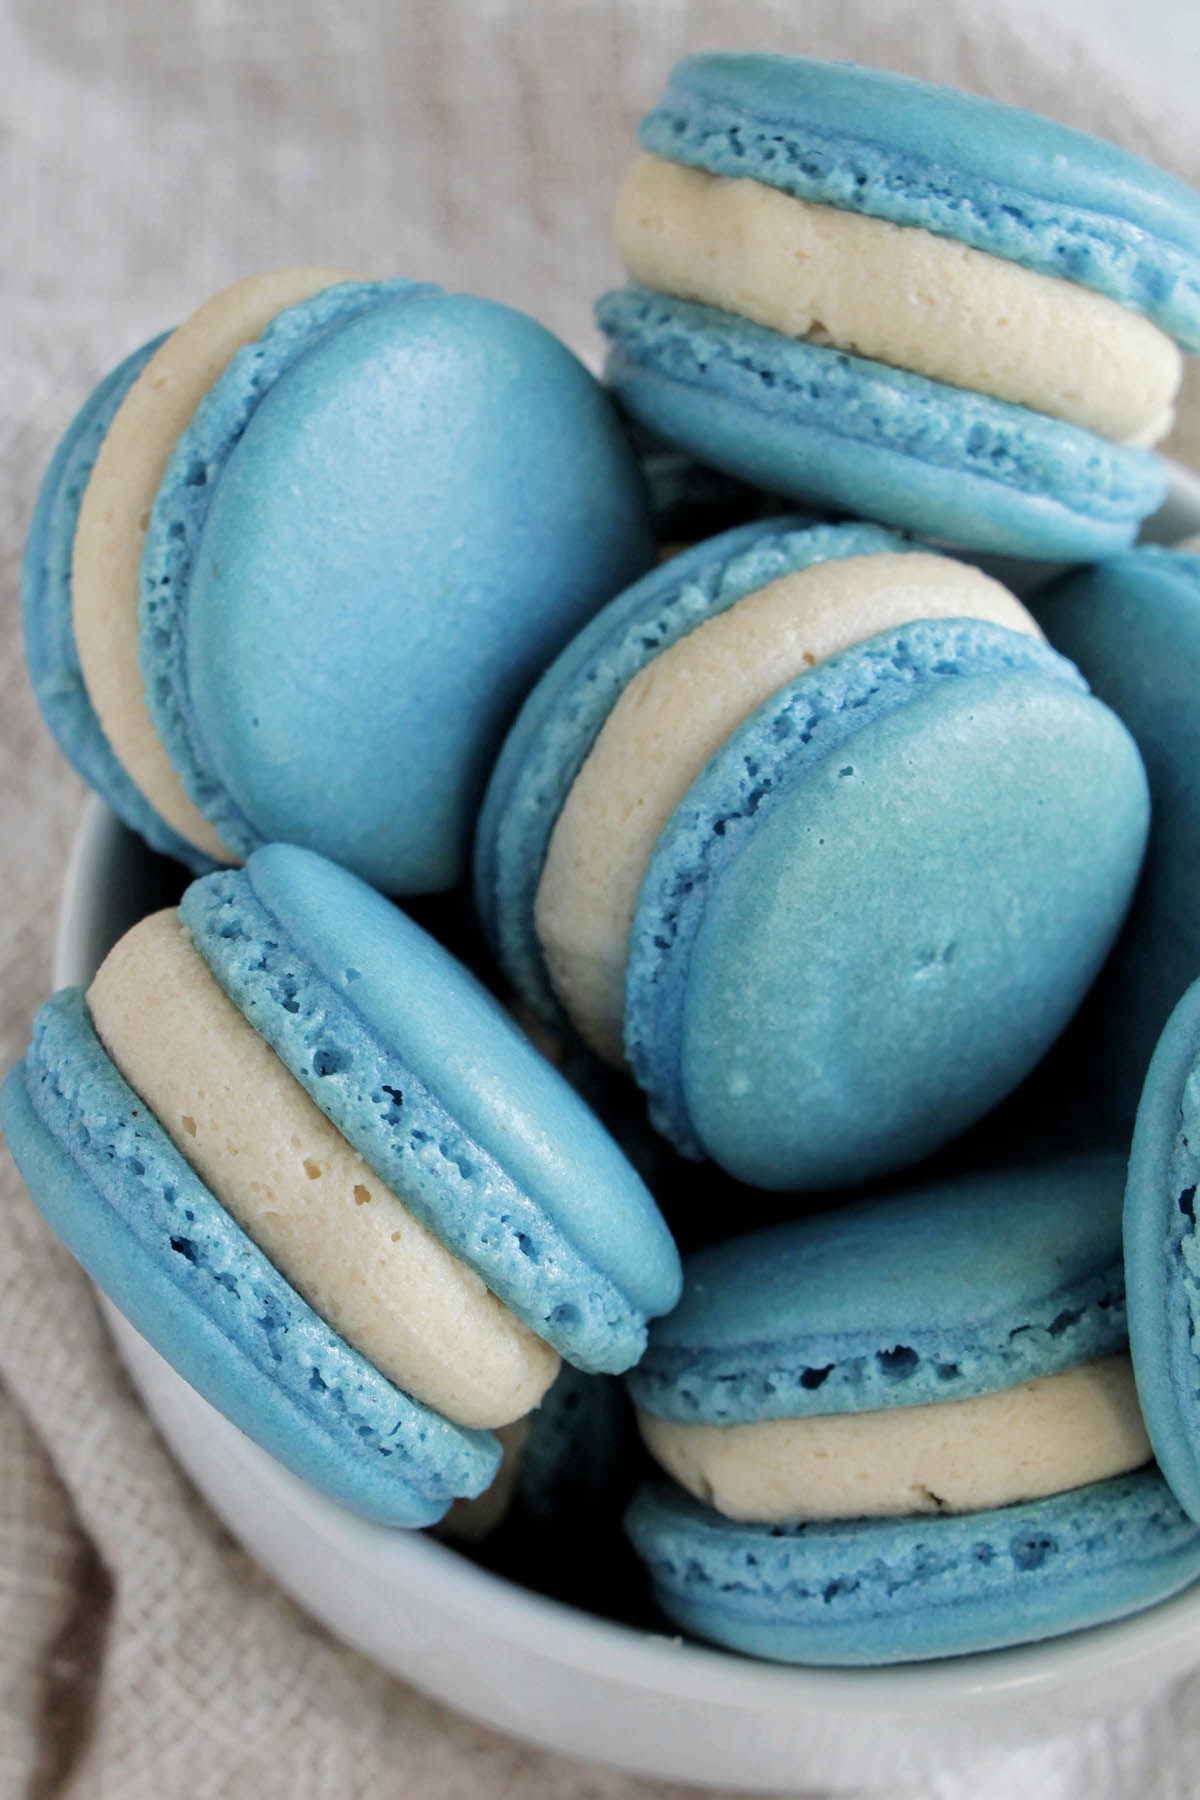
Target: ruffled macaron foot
x=149, y=1232
x=50, y=648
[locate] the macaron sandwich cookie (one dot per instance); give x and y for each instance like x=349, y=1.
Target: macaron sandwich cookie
x=1162, y=1255
x=294, y=566
x=912, y=304
x=321, y=1171
x=813, y=831
x=908, y=1428
x=1132, y=626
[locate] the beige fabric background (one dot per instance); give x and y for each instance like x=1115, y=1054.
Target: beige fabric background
x=148, y=154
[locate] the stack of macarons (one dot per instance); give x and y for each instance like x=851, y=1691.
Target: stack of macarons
x=813, y=830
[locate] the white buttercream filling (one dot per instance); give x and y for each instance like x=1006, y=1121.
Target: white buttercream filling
x=295, y=1186
x=899, y=295
x=1043, y=1437
x=676, y=713
x=114, y=517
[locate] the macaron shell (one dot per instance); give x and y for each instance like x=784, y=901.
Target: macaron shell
x=935, y=827
x=875, y=1591
x=563, y=715
x=149, y=1233
x=443, y=1096
x=828, y=428
x=400, y=517
x=1132, y=626
x=1162, y=1255
x=51, y=650
x=997, y=177
x=941, y=1291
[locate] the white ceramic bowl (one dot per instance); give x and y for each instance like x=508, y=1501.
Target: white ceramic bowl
x=560, y=1677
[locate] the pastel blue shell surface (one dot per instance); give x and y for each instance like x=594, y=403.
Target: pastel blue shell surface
x=1132, y=626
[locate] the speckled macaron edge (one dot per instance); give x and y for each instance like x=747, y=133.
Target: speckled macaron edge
x=1054, y=1319
x=1162, y=1250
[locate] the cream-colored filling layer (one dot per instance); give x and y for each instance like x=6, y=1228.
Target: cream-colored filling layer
x=899, y=295
x=470, y=1521
x=1042, y=1437
x=676, y=713
x=115, y=515
x=310, y=1202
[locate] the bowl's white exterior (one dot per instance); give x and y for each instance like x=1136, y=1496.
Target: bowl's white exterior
x=566, y=1680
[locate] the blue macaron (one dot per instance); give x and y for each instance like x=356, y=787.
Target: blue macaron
x=442, y=1098
x=386, y=515
x=1132, y=626
x=933, y=827
x=1162, y=1260
x=819, y=422
x=955, y=1295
